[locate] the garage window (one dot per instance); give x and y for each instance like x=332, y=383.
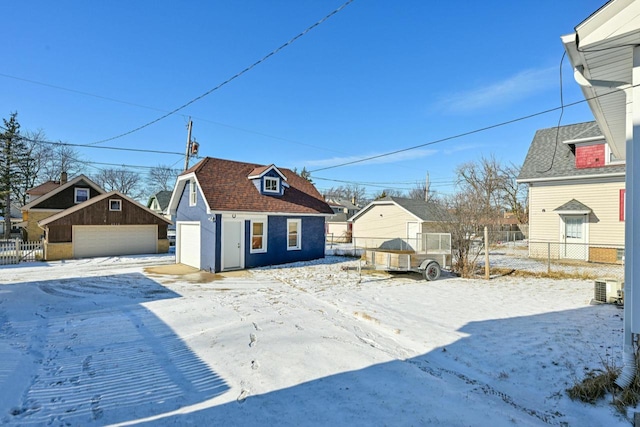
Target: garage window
x=115, y=205
x=81, y=195
x=193, y=195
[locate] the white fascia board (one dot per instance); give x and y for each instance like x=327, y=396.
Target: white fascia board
x=569, y=212
x=263, y=214
x=585, y=140
x=177, y=192
x=383, y=202
x=270, y=168
x=571, y=178
x=614, y=20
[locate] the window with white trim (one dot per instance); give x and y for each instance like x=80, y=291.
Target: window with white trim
x=271, y=185
x=258, y=236
x=115, y=205
x=81, y=195
x=294, y=234
x=193, y=193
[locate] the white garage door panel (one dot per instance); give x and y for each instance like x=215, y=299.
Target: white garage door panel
x=108, y=240
x=188, y=244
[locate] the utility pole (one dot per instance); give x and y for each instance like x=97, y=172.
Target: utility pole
x=188, y=151
x=426, y=189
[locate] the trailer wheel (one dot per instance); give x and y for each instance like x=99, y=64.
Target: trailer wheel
x=431, y=272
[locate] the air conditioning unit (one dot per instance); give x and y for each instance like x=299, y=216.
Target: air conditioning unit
x=609, y=291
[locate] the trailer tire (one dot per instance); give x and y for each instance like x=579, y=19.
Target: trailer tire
x=431, y=272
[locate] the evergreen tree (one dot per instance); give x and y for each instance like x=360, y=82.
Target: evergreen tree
x=12, y=154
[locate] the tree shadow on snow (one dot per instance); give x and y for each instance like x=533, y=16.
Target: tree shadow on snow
x=85, y=351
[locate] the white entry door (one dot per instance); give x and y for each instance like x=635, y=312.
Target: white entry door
x=232, y=246
x=574, y=237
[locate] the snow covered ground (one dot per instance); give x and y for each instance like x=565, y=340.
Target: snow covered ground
x=110, y=341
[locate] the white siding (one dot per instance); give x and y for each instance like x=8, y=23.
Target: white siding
x=381, y=223
x=605, y=227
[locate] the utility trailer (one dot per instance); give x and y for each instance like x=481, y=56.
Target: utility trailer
x=390, y=260
x=432, y=248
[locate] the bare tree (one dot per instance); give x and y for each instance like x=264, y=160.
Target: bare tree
x=61, y=158
x=388, y=192
x=125, y=181
x=486, y=181
x=353, y=192
x=161, y=178
x=419, y=192
x=516, y=196
x=462, y=217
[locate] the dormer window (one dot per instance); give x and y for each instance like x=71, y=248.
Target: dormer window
x=271, y=185
x=81, y=195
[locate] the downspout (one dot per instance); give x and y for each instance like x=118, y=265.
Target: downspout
x=629, y=366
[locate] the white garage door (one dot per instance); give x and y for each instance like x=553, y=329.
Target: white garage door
x=188, y=244
x=107, y=240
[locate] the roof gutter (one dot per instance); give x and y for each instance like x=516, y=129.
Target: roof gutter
x=571, y=178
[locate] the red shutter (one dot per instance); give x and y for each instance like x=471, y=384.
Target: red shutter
x=623, y=200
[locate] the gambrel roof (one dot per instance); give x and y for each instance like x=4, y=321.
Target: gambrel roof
x=227, y=185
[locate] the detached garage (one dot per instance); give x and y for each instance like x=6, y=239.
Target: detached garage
x=107, y=225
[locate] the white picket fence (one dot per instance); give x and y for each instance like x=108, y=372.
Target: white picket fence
x=17, y=251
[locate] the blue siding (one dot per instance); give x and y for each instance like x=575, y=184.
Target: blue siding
x=312, y=245
x=208, y=229
x=272, y=174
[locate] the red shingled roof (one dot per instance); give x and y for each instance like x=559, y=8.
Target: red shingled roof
x=226, y=186
x=44, y=188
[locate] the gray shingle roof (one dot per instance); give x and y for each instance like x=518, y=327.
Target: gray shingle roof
x=426, y=211
x=549, y=157
x=573, y=205
x=163, y=198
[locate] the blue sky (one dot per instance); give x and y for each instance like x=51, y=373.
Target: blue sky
x=376, y=77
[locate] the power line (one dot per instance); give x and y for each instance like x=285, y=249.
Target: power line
x=230, y=79
x=448, y=138
x=60, y=143
x=166, y=111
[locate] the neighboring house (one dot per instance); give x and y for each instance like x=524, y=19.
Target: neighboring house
x=232, y=215
x=105, y=225
x=53, y=197
x=576, y=194
x=16, y=220
x=338, y=226
x=159, y=203
x=395, y=223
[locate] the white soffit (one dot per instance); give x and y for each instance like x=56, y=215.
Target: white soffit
x=603, y=46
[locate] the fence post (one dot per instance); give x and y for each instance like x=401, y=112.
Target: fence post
x=486, y=253
x=548, y=257
x=17, y=251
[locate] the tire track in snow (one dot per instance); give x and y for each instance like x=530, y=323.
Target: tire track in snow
x=486, y=389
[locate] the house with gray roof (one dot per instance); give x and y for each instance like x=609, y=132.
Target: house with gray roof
x=395, y=223
x=576, y=194
x=159, y=202
x=338, y=226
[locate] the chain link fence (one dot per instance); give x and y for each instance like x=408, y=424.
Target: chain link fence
x=509, y=251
